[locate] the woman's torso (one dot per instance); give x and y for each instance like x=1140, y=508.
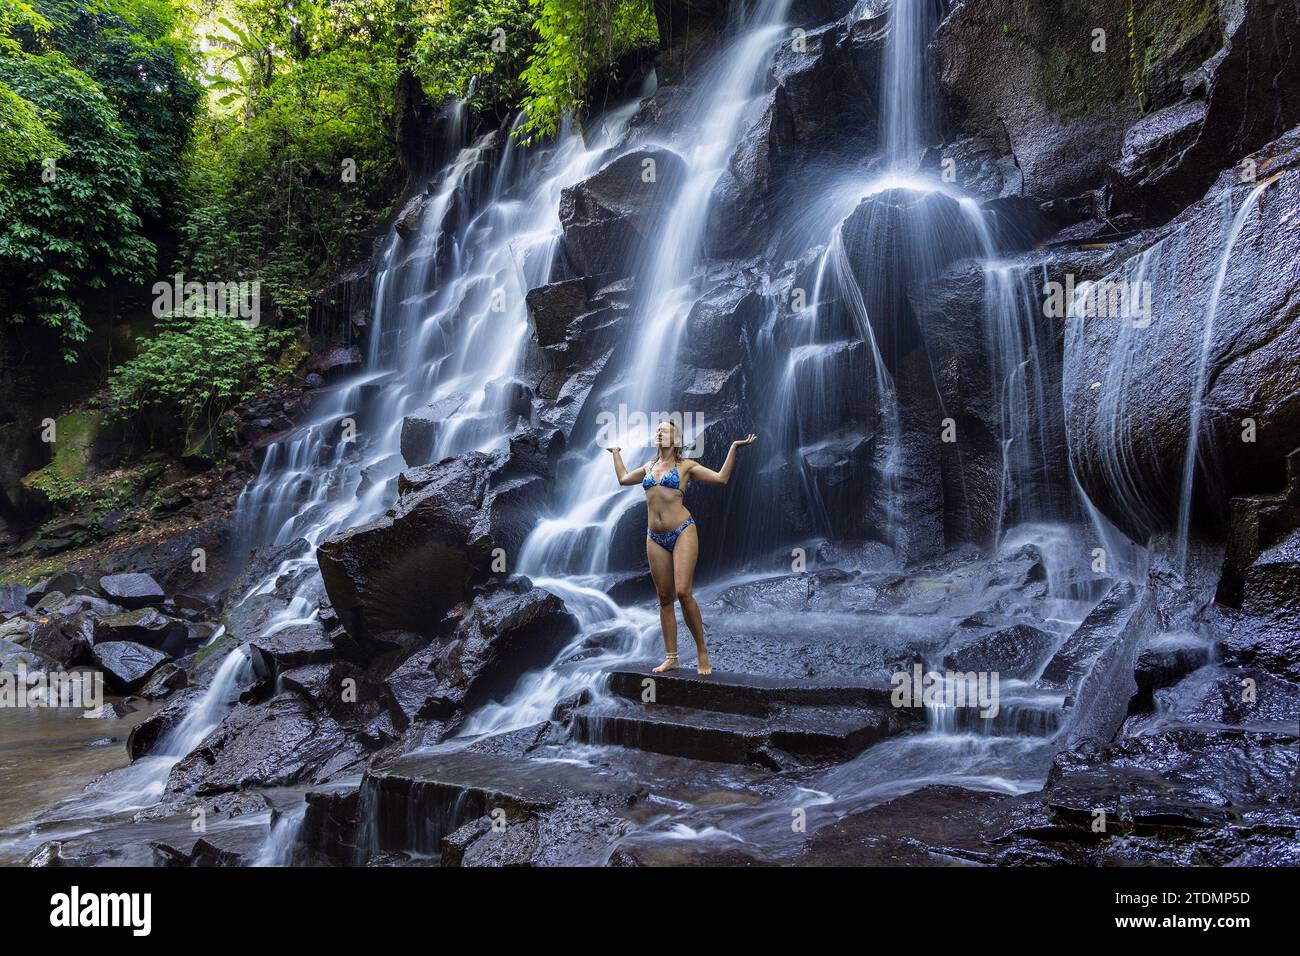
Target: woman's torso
x=664, y=508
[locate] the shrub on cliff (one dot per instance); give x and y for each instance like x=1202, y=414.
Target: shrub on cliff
x=192, y=371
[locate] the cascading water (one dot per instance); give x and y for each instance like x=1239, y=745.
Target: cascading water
x=1194, y=451
x=905, y=104
x=142, y=783
x=448, y=320
x=576, y=542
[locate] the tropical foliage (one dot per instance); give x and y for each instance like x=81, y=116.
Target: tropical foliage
x=245, y=140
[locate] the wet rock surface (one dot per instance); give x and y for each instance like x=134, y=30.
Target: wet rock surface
x=610, y=214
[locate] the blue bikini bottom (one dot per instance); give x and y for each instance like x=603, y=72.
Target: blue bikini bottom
x=668, y=539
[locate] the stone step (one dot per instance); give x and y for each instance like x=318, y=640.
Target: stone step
x=409, y=805
x=823, y=733
x=754, y=695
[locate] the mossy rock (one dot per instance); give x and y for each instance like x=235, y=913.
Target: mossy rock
x=63, y=480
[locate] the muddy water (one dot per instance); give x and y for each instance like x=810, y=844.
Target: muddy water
x=47, y=755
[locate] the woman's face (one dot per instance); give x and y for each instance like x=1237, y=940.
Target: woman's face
x=664, y=435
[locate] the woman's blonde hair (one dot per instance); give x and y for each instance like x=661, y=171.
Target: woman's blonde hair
x=677, y=434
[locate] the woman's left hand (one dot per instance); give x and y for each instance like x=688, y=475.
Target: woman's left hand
x=745, y=441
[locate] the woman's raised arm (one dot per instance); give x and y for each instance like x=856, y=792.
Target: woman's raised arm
x=624, y=476
x=707, y=476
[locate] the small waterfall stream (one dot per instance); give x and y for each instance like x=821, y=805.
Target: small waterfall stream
x=1197, y=398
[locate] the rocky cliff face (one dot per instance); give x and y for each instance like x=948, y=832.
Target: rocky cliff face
x=926, y=408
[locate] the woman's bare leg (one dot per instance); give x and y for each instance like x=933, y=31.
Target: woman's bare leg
x=661, y=572
x=684, y=556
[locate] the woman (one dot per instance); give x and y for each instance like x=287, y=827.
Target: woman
x=672, y=543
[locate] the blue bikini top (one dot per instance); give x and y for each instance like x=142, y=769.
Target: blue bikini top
x=671, y=479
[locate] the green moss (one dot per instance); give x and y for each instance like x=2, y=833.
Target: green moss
x=64, y=479
x=1148, y=42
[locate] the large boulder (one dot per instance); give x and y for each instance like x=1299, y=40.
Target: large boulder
x=65, y=639
x=552, y=307
x=127, y=666
x=280, y=742
x=146, y=626
x=132, y=590
x=1130, y=387
x=503, y=634
x=405, y=570
x=615, y=214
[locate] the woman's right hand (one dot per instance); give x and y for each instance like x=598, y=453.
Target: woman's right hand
x=613, y=451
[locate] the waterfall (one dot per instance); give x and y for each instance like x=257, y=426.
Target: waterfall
x=143, y=782
x=1187, y=486
x=575, y=542
x=282, y=837
x=905, y=101
x=437, y=333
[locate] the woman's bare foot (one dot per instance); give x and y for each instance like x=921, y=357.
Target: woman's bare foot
x=669, y=664
x=702, y=665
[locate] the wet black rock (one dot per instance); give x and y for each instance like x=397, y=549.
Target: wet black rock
x=146, y=735
x=1022, y=75
x=618, y=209
x=292, y=647
x=1240, y=97
x=145, y=626
x=404, y=571
x=721, y=322
x=1163, y=662
x=575, y=832
x=1178, y=782
x=132, y=590
x=1128, y=385
x=1014, y=652
x=65, y=583
x=932, y=826
x=165, y=680
x=280, y=742
x=1267, y=632
x=420, y=429
x=1096, y=663
x=552, y=307
x=126, y=664
x=336, y=361
x=502, y=635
